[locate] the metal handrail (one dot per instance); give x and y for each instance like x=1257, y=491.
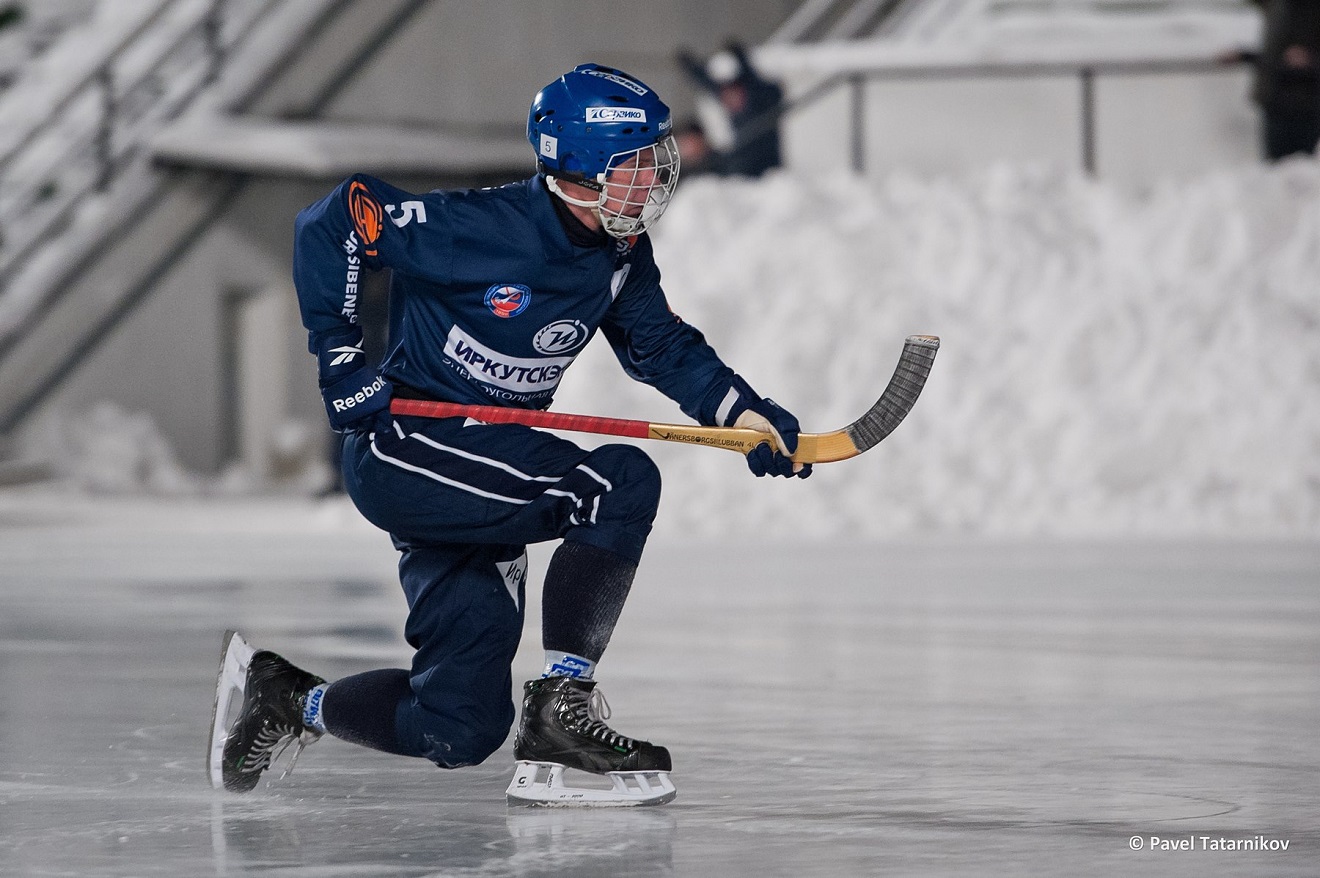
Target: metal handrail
x=103, y=116
x=827, y=20
x=850, y=24
x=264, y=50
x=1086, y=72
x=14, y=140
x=806, y=17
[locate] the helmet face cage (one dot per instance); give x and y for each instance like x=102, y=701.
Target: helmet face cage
x=608, y=132
x=637, y=186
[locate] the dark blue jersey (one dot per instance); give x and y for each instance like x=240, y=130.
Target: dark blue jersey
x=490, y=301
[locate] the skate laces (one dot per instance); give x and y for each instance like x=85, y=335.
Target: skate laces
x=266, y=747
x=274, y=738
x=272, y=742
x=598, y=709
x=309, y=736
x=590, y=713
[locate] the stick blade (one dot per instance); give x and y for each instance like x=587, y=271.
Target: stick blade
x=900, y=395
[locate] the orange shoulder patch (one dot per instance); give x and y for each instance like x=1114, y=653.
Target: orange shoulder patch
x=368, y=217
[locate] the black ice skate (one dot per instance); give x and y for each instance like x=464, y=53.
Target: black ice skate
x=270, y=718
x=563, y=727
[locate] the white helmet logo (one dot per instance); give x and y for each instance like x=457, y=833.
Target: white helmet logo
x=549, y=146
x=615, y=114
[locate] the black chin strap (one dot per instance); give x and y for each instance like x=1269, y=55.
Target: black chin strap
x=568, y=177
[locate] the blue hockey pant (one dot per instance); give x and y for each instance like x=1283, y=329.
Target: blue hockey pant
x=461, y=500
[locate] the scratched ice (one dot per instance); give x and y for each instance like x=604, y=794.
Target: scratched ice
x=918, y=707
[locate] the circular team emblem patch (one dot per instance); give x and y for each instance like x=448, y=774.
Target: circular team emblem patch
x=508, y=300
x=559, y=337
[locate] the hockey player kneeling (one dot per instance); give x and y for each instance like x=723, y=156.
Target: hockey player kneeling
x=494, y=293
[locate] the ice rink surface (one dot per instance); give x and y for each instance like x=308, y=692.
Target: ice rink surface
x=923, y=708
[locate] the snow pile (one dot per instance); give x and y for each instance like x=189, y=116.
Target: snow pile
x=1113, y=363
x=107, y=450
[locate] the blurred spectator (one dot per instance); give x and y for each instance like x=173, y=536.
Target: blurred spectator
x=10, y=14
x=12, y=50
x=695, y=149
x=1287, y=76
x=752, y=103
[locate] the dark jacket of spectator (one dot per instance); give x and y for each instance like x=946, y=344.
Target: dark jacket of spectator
x=753, y=104
x=1288, y=65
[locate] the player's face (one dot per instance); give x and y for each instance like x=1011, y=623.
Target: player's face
x=638, y=185
x=628, y=185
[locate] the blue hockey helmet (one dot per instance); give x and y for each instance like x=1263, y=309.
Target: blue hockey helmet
x=595, y=120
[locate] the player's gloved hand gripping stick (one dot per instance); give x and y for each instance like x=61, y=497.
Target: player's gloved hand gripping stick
x=864, y=433
x=742, y=407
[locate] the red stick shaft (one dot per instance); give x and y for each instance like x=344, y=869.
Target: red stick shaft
x=492, y=414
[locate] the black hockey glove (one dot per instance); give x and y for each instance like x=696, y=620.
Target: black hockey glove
x=354, y=393
x=742, y=407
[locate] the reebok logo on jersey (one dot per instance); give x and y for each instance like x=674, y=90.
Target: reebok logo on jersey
x=615, y=114
x=491, y=367
x=346, y=354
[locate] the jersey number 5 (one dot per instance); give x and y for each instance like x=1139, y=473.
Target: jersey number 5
x=407, y=212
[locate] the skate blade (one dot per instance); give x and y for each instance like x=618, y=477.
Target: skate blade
x=542, y=784
x=235, y=657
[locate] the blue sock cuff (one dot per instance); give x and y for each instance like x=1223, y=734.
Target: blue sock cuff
x=566, y=664
x=313, y=716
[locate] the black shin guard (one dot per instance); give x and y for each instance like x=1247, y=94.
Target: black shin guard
x=585, y=588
